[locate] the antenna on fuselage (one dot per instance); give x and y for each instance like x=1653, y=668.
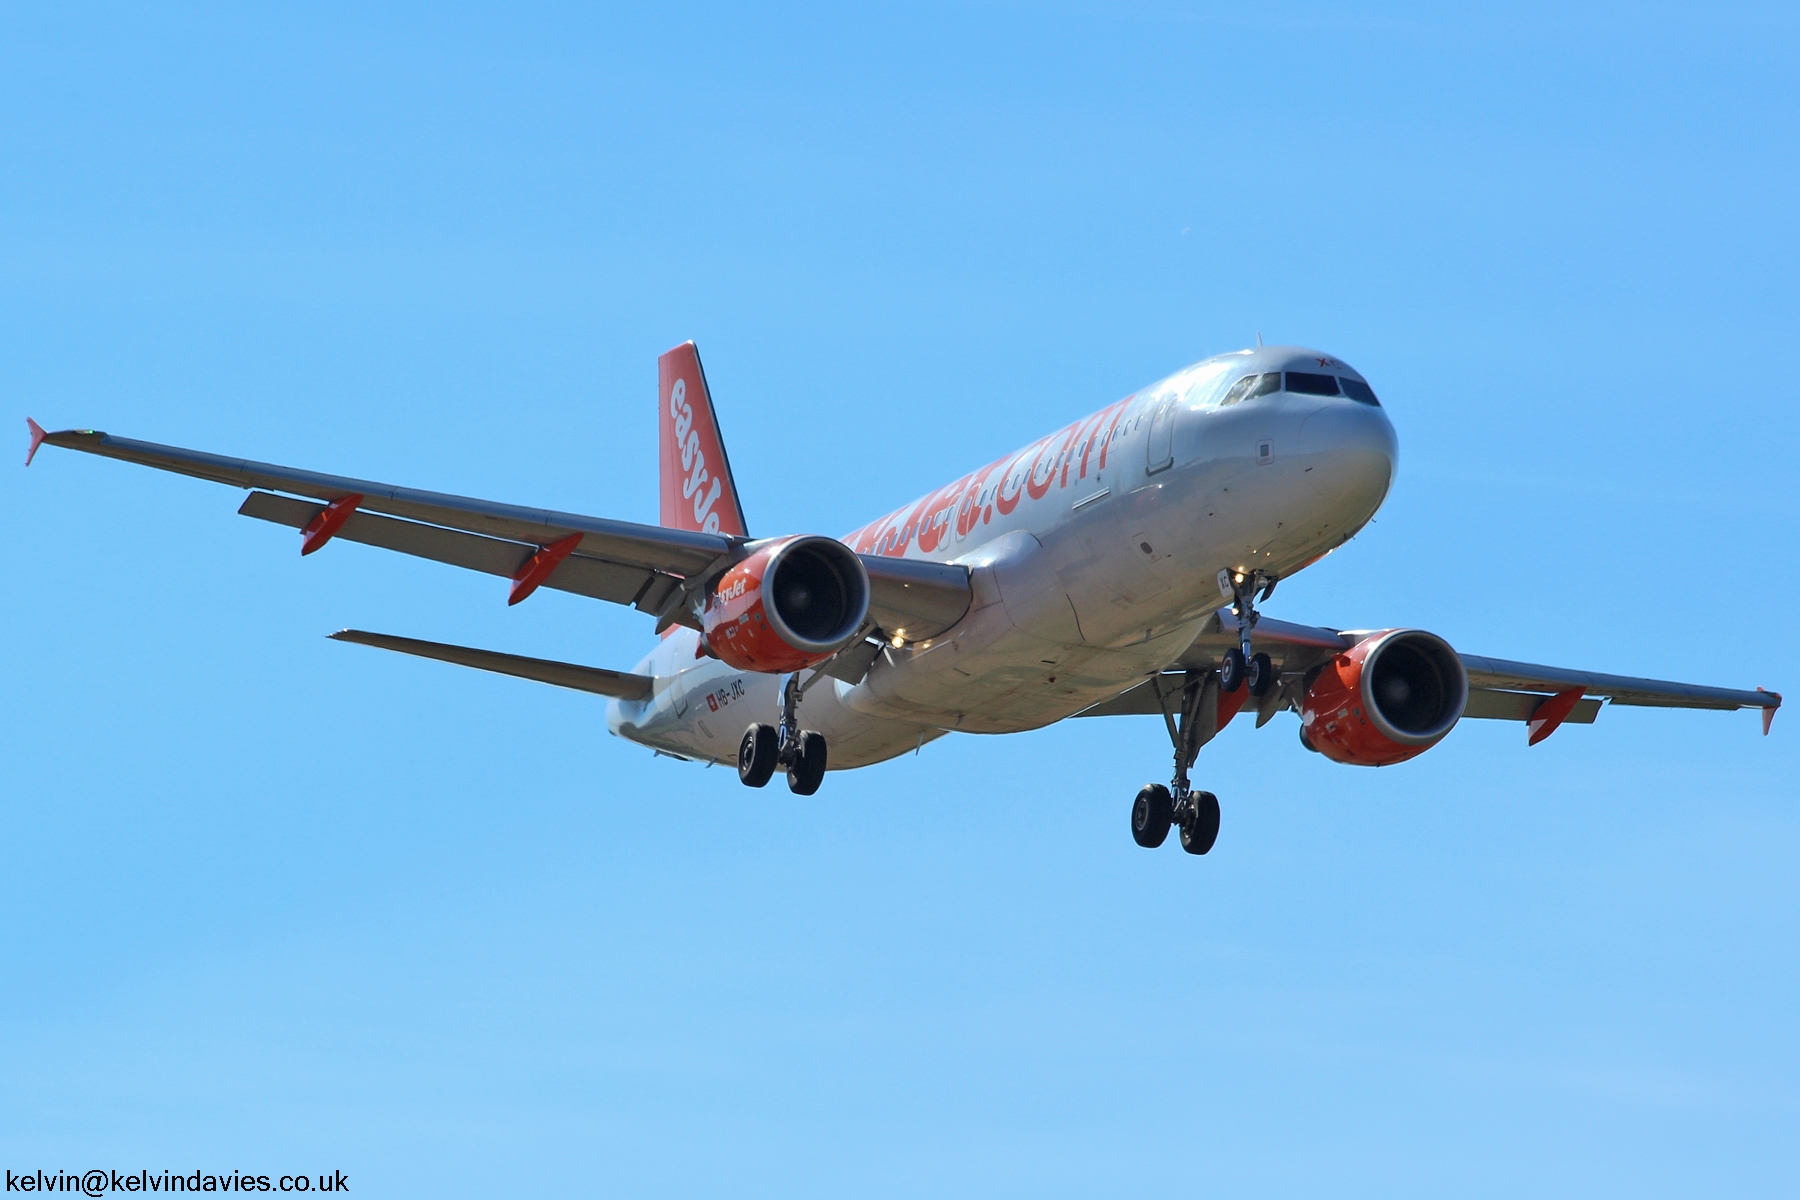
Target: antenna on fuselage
x=1259, y=337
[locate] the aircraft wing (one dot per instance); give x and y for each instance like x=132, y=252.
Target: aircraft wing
x=1499, y=689
x=649, y=567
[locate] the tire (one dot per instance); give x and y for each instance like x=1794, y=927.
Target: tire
x=808, y=769
x=1261, y=676
x=1232, y=669
x=1198, y=836
x=1151, y=814
x=756, y=755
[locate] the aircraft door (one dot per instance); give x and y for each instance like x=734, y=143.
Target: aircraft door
x=1159, y=447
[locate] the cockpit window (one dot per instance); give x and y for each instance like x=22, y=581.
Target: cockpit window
x=1250, y=387
x=1312, y=385
x=1238, y=390
x=1359, y=391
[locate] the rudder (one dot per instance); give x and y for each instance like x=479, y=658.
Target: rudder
x=698, y=492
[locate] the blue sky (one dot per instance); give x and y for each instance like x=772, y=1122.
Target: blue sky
x=273, y=903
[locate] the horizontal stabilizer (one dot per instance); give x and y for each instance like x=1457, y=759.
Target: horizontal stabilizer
x=620, y=684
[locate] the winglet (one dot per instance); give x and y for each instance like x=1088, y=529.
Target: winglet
x=37, y=439
x=1769, y=712
x=1550, y=714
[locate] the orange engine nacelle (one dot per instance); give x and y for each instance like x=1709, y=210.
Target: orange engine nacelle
x=1392, y=696
x=792, y=604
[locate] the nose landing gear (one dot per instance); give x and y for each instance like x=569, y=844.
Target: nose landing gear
x=1192, y=717
x=1191, y=726
x=1240, y=666
x=800, y=751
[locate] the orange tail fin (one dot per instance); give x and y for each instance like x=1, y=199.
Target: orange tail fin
x=698, y=492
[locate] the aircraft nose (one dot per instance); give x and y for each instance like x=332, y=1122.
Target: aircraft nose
x=1352, y=453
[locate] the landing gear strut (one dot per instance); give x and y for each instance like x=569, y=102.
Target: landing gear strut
x=1157, y=807
x=767, y=747
x=1240, y=666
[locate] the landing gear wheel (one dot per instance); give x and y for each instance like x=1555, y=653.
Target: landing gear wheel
x=807, y=771
x=1261, y=675
x=756, y=755
x=1202, y=829
x=1232, y=670
x=1151, y=814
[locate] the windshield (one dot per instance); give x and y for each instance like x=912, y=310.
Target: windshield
x=1312, y=385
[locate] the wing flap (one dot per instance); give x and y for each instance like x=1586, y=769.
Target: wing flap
x=1501, y=674
x=923, y=598
x=621, y=685
x=648, y=546
x=1484, y=704
x=579, y=574
x=1488, y=704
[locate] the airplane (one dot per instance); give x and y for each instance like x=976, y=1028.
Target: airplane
x=1112, y=567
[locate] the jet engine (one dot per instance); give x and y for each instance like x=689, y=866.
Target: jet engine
x=1392, y=696
x=790, y=605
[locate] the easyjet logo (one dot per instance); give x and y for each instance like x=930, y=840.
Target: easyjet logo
x=693, y=461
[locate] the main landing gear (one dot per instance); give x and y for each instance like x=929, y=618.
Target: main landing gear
x=1156, y=811
x=766, y=747
x=1158, y=808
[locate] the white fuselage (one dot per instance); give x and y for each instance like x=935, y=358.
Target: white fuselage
x=1094, y=556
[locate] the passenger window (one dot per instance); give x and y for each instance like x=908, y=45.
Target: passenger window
x=1269, y=383
x=1312, y=385
x=1239, y=390
x=1359, y=391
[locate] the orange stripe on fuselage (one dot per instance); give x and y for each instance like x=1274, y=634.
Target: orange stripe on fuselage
x=891, y=535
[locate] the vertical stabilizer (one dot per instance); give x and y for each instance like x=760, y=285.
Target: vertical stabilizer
x=698, y=492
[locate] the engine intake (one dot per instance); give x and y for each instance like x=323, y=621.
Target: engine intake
x=1390, y=697
x=790, y=605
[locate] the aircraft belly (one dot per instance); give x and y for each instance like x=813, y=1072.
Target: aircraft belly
x=1009, y=683
x=701, y=711
x=1108, y=581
